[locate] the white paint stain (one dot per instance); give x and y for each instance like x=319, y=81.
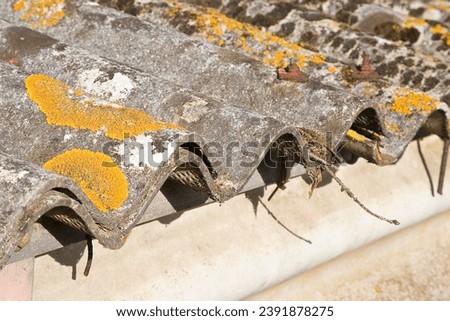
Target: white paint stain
x=141, y=151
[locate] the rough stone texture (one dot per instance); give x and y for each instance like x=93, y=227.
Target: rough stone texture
x=409, y=21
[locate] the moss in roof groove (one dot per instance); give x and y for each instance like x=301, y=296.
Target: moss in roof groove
x=106, y=187
x=40, y=13
x=65, y=106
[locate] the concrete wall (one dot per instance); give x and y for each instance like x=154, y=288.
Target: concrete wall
x=413, y=264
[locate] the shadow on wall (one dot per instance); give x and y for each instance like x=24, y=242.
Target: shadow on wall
x=70, y=254
x=254, y=196
x=175, y=193
x=75, y=245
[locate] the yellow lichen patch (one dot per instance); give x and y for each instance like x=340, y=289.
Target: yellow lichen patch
x=317, y=58
x=332, y=69
x=414, y=22
x=276, y=59
x=369, y=89
x=440, y=6
x=437, y=29
x=222, y=30
x=40, y=13
x=301, y=61
x=406, y=101
x=65, y=106
x=356, y=136
x=106, y=187
x=392, y=127
x=442, y=32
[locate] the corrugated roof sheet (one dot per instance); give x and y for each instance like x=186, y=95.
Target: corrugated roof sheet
x=102, y=107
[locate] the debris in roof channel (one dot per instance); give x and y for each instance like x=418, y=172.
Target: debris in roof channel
x=104, y=102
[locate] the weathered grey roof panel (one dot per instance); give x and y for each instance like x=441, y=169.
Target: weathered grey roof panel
x=226, y=75
x=42, y=137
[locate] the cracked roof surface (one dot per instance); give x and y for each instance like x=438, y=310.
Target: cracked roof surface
x=102, y=107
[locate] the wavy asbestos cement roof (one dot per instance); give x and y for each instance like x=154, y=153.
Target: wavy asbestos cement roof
x=63, y=128
x=396, y=60
x=98, y=137
x=226, y=75
x=423, y=24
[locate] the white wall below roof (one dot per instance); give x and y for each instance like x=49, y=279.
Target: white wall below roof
x=413, y=264
x=229, y=252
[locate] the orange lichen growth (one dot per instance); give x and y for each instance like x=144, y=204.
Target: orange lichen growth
x=356, y=136
x=332, y=69
x=369, y=89
x=106, y=187
x=442, y=32
x=440, y=6
x=414, y=22
x=40, y=13
x=392, y=127
x=19, y=5
x=243, y=44
x=317, y=58
x=406, y=101
x=65, y=106
x=275, y=59
x=437, y=29
x=222, y=30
